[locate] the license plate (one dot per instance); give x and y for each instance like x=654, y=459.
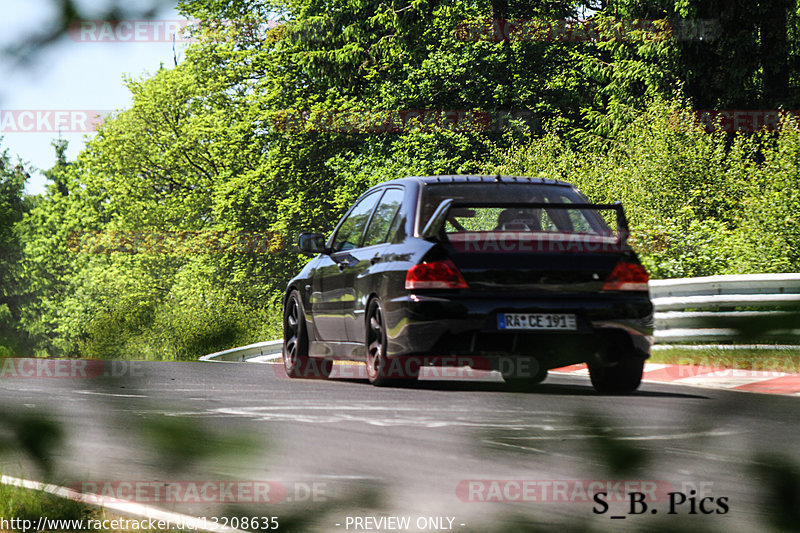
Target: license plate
x=538, y=321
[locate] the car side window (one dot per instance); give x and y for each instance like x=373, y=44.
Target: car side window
x=351, y=229
x=385, y=214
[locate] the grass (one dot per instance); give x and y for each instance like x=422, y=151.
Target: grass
x=780, y=360
x=27, y=504
x=18, y=502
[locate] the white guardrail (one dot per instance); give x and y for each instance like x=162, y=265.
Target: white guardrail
x=704, y=309
x=250, y=352
x=688, y=310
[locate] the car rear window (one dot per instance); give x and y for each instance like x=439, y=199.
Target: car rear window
x=511, y=218
x=481, y=218
x=499, y=193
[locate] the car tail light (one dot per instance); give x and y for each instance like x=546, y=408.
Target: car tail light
x=435, y=275
x=627, y=277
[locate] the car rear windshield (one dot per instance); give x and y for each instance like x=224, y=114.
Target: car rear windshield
x=509, y=218
x=468, y=218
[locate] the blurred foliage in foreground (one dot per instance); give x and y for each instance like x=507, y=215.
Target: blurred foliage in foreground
x=206, y=147
x=615, y=452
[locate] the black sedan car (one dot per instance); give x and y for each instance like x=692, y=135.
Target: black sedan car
x=505, y=273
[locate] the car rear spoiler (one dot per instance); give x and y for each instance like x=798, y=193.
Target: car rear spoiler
x=433, y=229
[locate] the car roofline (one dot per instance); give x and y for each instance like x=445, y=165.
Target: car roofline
x=479, y=178
x=420, y=182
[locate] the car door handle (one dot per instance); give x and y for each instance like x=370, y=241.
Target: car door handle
x=347, y=261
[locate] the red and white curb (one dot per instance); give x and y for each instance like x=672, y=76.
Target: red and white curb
x=769, y=382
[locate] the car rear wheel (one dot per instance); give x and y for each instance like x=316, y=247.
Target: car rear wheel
x=380, y=370
x=296, y=360
x=622, y=378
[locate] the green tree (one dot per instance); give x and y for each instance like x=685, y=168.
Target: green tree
x=248, y=135
x=48, y=266
x=12, y=209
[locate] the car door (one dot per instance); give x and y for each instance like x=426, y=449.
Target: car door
x=332, y=297
x=360, y=278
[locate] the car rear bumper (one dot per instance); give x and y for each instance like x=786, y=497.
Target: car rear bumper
x=434, y=325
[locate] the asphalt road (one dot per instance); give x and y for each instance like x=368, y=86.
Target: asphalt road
x=343, y=448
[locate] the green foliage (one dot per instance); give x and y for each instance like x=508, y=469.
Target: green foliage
x=203, y=149
x=26, y=504
x=193, y=325
x=12, y=208
x=34, y=434
x=747, y=357
x=781, y=479
x=698, y=204
x=179, y=443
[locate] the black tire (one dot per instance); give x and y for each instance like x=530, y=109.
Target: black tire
x=381, y=371
x=527, y=383
x=296, y=360
x=622, y=378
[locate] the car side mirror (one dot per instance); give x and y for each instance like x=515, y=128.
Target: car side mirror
x=311, y=243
